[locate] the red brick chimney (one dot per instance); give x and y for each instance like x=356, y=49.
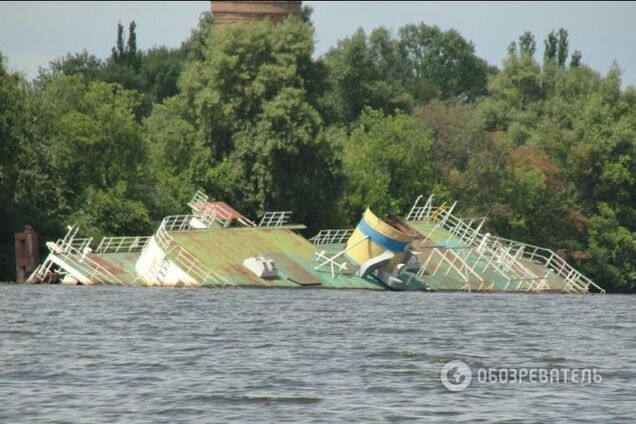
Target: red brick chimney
x=230, y=12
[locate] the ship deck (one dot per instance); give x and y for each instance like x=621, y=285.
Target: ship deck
x=121, y=265
x=205, y=249
x=224, y=250
x=446, y=280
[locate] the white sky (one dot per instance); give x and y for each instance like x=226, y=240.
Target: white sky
x=33, y=33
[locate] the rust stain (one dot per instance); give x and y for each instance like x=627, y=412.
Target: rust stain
x=295, y=271
x=112, y=267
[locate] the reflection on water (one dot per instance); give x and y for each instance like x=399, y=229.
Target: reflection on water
x=102, y=354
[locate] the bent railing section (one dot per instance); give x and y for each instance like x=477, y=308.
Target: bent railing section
x=275, y=218
x=122, y=244
x=551, y=260
x=331, y=236
x=503, y=255
x=208, y=212
x=79, y=260
x=185, y=260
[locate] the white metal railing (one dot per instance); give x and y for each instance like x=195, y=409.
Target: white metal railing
x=206, y=213
x=41, y=272
x=503, y=254
x=89, y=268
x=75, y=253
x=80, y=244
x=177, y=223
x=185, y=260
x=500, y=258
x=122, y=244
x=334, y=266
x=547, y=258
x=275, y=219
x=456, y=263
x=497, y=257
x=210, y=212
x=465, y=231
x=420, y=213
x=199, y=198
x=331, y=236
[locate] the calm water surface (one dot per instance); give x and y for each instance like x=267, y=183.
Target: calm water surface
x=102, y=354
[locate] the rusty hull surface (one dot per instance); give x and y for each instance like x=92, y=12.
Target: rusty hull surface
x=121, y=265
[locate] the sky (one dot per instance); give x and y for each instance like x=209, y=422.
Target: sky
x=34, y=33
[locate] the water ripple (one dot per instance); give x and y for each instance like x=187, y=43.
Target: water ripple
x=103, y=354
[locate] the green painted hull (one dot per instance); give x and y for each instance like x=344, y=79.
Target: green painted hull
x=224, y=250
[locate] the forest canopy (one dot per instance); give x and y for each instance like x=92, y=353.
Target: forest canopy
x=544, y=146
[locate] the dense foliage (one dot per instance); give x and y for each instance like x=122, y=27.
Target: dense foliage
x=546, y=149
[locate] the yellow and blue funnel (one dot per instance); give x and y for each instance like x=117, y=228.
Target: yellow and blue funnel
x=394, y=236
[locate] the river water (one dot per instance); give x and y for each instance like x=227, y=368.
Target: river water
x=132, y=355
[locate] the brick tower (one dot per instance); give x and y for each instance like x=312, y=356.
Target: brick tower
x=230, y=12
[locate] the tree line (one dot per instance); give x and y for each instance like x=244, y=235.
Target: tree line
x=546, y=149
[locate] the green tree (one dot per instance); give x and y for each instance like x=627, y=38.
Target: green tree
x=194, y=47
x=159, y=73
x=153, y=73
x=519, y=86
x=247, y=116
x=442, y=60
x=178, y=154
x=87, y=146
x=124, y=65
x=527, y=44
x=364, y=72
x=457, y=135
x=79, y=63
x=521, y=190
x=612, y=250
x=576, y=129
x=575, y=61
x=125, y=51
x=512, y=48
x=119, y=51
x=274, y=154
x=562, y=52
x=13, y=135
x=551, y=47
x=131, y=45
x=388, y=163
